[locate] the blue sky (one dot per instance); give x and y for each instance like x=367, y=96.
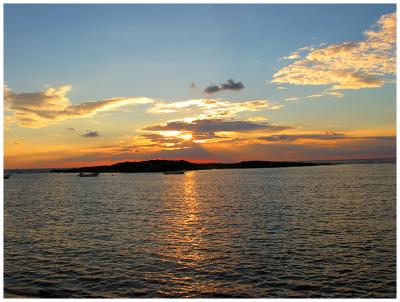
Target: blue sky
x=158, y=51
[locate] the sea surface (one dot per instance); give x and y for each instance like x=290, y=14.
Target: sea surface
x=323, y=231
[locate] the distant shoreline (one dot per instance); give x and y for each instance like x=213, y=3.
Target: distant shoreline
x=175, y=165
x=318, y=162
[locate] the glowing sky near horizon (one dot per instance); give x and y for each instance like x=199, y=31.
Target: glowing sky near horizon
x=98, y=84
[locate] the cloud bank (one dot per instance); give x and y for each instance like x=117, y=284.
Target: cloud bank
x=368, y=63
x=210, y=129
x=39, y=109
x=329, y=136
x=213, y=108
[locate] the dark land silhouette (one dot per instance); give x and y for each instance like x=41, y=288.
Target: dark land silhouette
x=174, y=165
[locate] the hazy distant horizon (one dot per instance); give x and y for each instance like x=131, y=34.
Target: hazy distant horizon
x=311, y=160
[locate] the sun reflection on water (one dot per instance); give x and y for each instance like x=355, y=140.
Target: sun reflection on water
x=186, y=229
x=184, y=237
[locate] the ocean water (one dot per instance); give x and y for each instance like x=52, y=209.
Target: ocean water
x=324, y=231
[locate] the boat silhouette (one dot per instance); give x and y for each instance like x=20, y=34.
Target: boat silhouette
x=174, y=172
x=94, y=174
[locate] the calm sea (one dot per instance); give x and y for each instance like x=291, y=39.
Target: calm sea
x=325, y=231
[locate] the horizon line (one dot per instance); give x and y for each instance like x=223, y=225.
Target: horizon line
x=308, y=160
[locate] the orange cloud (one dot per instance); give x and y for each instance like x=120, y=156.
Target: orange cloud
x=205, y=130
x=39, y=109
x=263, y=144
x=350, y=65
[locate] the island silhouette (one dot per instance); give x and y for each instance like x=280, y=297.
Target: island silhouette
x=158, y=165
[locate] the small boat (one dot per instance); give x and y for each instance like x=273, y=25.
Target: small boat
x=7, y=176
x=174, y=172
x=94, y=174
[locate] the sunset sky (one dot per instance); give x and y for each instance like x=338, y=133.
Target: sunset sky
x=98, y=84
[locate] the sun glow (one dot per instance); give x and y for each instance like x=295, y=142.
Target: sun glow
x=186, y=136
x=170, y=133
x=178, y=134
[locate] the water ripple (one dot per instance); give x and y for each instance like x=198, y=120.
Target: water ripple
x=322, y=232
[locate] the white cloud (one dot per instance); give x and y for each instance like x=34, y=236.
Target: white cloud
x=326, y=92
x=292, y=56
x=213, y=108
x=292, y=99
